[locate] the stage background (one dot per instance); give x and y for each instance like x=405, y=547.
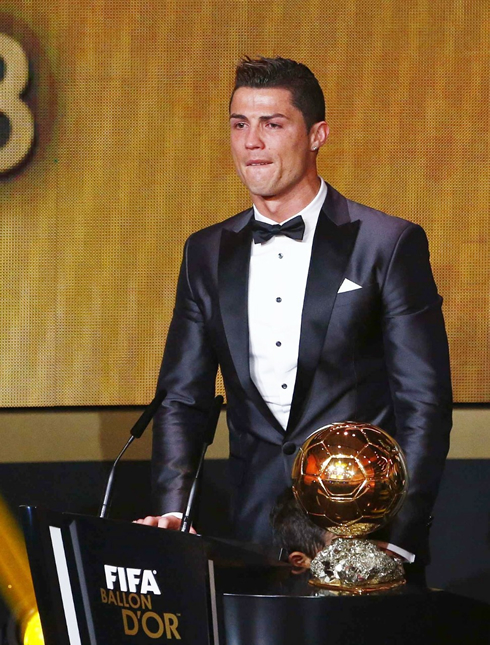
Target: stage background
x=130, y=155
x=129, y=100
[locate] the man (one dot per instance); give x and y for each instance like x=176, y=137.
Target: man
x=295, y=534
x=339, y=321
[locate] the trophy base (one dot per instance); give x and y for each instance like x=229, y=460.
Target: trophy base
x=355, y=590
x=355, y=566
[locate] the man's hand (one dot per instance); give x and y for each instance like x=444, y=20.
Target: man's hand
x=167, y=521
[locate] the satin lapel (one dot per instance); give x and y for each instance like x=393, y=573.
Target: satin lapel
x=332, y=248
x=233, y=271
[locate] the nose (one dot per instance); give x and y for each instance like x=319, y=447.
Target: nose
x=253, y=139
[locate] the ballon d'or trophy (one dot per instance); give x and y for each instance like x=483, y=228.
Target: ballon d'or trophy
x=351, y=479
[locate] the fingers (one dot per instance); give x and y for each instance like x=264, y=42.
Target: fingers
x=173, y=523
x=170, y=522
x=149, y=520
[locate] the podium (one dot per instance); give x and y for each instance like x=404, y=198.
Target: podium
x=104, y=582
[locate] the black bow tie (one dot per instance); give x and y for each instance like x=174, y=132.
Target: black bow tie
x=262, y=232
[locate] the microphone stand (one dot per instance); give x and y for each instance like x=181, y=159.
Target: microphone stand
x=136, y=432
x=209, y=433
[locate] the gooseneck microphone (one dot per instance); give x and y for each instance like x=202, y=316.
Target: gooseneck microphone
x=136, y=432
x=208, y=438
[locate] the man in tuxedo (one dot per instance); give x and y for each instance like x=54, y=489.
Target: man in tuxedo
x=316, y=308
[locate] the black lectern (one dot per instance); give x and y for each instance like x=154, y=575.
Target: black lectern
x=102, y=582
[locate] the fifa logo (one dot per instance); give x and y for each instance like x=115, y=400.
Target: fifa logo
x=141, y=581
x=133, y=590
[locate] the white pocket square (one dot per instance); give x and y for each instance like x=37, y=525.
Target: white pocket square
x=348, y=285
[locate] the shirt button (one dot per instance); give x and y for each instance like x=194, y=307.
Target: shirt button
x=278, y=299
x=284, y=386
x=280, y=256
x=278, y=344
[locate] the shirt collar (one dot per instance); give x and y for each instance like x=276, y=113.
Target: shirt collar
x=309, y=213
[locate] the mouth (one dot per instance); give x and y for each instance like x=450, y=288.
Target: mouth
x=257, y=163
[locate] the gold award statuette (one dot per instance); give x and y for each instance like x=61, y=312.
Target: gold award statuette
x=351, y=479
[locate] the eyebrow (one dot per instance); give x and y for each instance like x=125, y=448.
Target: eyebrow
x=265, y=117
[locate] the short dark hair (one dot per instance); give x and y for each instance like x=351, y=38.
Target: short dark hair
x=292, y=529
x=284, y=73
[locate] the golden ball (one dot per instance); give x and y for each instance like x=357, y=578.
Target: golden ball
x=350, y=478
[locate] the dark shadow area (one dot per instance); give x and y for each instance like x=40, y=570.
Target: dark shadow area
x=476, y=586
x=214, y=503
x=460, y=538
x=4, y=128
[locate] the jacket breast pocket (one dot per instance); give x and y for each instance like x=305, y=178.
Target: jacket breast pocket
x=357, y=297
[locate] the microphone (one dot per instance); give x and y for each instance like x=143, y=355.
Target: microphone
x=135, y=432
x=209, y=432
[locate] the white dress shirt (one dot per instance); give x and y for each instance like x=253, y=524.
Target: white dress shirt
x=276, y=291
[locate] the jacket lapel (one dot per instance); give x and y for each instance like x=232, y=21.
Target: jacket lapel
x=233, y=273
x=331, y=251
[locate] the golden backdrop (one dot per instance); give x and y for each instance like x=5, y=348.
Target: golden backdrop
x=129, y=99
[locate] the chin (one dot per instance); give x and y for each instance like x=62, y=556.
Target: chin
x=263, y=195
x=261, y=191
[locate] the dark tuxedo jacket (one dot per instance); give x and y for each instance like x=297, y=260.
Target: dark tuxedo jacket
x=377, y=354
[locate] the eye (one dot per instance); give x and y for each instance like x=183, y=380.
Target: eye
x=274, y=126
x=238, y=125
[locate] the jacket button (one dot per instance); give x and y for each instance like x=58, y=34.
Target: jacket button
x=289, y=448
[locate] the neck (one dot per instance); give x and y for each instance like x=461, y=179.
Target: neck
x=281, y=207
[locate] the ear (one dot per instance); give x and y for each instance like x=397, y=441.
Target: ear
x=299, y=560
x=318, y=135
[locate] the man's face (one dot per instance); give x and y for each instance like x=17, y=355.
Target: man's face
x=271, y=147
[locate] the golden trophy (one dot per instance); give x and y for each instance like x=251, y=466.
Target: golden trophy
x=351, y=479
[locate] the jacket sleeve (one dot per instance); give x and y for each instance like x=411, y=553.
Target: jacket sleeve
x=188, y=373
x=417, y=359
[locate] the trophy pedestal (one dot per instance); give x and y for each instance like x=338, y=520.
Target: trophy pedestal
x=355, y=566
x=339, y=589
